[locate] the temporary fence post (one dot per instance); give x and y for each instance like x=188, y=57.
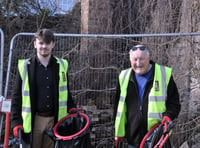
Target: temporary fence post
x=6, y=108
x=7, y=130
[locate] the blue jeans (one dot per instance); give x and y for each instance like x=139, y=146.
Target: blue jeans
x=131, y=146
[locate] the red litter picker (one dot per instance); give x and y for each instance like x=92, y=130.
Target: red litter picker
x=158, y=136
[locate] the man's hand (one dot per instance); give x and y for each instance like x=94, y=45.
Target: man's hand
x=75, y=110
x=118, y=141
x=16, y=129
x=166, y=119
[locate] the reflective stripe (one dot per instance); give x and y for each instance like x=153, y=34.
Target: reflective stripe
x=25, y=93
x=121, y=99
x=62, y=62
x=163, y=74
x=157, y=98
x=118, y=114
x=155, y=115
x=64, y=103
x=63, y=88
x=26, y=109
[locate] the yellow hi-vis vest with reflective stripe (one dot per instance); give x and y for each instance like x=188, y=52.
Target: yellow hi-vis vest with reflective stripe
x=157, y=98
x=26, y=101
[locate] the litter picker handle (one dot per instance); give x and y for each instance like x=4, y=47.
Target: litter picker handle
x=165, y=136
x=148, y=133
x=20, y=137
x=120, y=144
x=170, y=126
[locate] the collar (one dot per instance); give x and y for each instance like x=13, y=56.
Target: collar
x=49, y=63
x=152, y=66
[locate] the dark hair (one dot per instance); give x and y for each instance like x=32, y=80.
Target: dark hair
x=45, y=34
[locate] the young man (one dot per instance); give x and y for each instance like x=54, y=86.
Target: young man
x=41, y=95
x=146, y=94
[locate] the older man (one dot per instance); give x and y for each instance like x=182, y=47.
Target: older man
x=146, y=94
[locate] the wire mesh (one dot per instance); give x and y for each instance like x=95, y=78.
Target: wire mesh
x=95, y=62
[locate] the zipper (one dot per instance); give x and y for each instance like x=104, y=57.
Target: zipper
x=140, y=107
x=139, y=103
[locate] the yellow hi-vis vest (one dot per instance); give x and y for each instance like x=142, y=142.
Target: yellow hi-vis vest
x=26, y=101
x=157, y=98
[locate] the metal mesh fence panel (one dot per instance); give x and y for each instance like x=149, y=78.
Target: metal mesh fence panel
x=1, y=80
x=1, y=59
x=95, y=62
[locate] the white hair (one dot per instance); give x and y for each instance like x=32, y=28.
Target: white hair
x=138, y=48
